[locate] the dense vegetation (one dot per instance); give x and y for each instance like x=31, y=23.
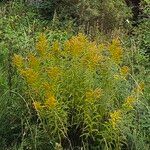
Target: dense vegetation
x=74, y=75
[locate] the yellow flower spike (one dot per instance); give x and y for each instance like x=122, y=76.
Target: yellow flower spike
x=92, y=60
x=33, y=61
x=55, y=47
x=17, y=61
x=92, y=95
x=129, y=102
x=76, y=45
x=42, y=44
x=47, y=87
x=53, y=72
x=30, y=75
x=37, y=105
x=50, y=101
x=124, y=71
x=116, y=51
x=115, y=118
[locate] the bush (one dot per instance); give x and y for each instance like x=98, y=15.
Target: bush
x=82, y=93
x=103, y=14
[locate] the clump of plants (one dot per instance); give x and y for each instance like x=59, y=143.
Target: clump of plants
x=82, y=92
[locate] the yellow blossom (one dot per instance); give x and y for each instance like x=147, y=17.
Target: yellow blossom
x=17, y=60
x=30, y=75
x=53, y=72
x=116, y=51
x=47, y=87
x=33, y=61
x=55, y=47
x=92, y=95
x=115, y=118
x=42, y=44
x=92, y=59
x=129, y=102
x=124, y=70
x=50, y=101
x=37, y=105
x=76, y=45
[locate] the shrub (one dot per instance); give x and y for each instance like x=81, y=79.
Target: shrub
x=82, y=92
x=103, y=14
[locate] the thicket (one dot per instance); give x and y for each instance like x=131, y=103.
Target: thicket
x=63, y=89
x=105, y=15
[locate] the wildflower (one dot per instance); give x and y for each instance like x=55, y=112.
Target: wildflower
x=92, y=95
x=129, y=102
x=37, y=105
x=76, y=45
x=33, y=61
x=124, y=70
x=46, y=86
x=42, y=44
x=50, y=101
x=17, y=60
x=116, y=51
x=115, y=118
x=53, y=72
x=30, y=75
x=55, y=47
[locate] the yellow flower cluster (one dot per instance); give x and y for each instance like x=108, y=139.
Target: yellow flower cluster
x=76, y=45
x=33, y=61
x=93, y=95
x=116, y=50
x=17, y=61
x=92, y=56
x=55, y=47
x=50, y=101
x=129, y=102
x=53, y=72
x=42, y=44
x=30, y=75
x=37, y=105
x=124, y=71
x=47, y=87
x=115, y=118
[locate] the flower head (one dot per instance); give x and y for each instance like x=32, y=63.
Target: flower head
x=42, y=44
x=17, y=60
x=76, y=45
x=93, y=95
x=50, y=101
x=129, y=102
x=30, y=75
x=115, y=118
x=33, y=61
x=116, y=51
x=124, y=70
x=37, y=105
x=53, y=72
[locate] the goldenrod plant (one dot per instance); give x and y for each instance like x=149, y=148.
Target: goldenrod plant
x=76, y=83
